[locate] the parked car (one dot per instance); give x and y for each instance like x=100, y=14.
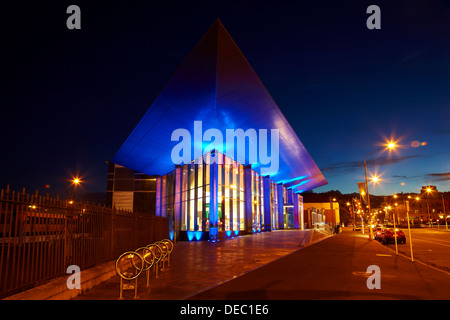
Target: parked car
x=377, y=232
x=388, y=235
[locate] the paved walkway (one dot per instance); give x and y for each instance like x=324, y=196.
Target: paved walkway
x=272, y=266
x=198, y=266
x=333, y=269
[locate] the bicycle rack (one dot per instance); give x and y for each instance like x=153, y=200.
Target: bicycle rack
x=149, y=259
x=157, y=252
x=130, y=264
x=122, y=267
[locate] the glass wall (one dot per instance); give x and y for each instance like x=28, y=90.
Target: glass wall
x=274, y=205
x=257, y=202
x=230, y=194
x=194, y=206
x=289, y=216
x=195, y=197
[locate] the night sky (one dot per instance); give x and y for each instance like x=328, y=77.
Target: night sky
x=69, y=98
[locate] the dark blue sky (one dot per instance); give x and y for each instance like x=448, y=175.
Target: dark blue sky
x=69, y=98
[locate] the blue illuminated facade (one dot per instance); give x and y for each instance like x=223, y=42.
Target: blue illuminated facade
x=223, y=200
x=217, y=87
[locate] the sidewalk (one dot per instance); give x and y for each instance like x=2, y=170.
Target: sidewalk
x=198, y=266
x=333, y=269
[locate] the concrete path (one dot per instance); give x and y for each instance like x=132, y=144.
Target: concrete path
x=336, y=268
x=198, y=266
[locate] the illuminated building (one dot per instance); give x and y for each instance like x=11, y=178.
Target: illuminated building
x=217, y=87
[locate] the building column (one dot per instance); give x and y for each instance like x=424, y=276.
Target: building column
x=158, y=196
x=213, y=202
x=267, y=215
x=310, y=216
x=248, y=199
x=177, y=205
x=290, y=201
x=280, y=201
x=298, y=223
x=290, y=198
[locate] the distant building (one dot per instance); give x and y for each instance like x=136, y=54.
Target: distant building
x=130, y=190
x=430, y=203
x=314, y=213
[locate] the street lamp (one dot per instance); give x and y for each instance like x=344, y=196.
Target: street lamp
x=389, y=212
x=352, y=206
x=390, y=145
x=443, y=209
x=75, y=182
x=428, y=206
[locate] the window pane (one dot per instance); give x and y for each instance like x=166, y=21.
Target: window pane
x=207, y=171
x=200, y=175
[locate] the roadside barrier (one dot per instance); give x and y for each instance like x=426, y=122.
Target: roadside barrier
x=131, y=264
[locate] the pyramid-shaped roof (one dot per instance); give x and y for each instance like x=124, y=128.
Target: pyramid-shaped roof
x=216, y=85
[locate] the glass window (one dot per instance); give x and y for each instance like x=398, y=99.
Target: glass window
x=207, y=172
x=184, y=211
x=199, y=175
x=241, y=216
x=191, y=176
x=191, y=213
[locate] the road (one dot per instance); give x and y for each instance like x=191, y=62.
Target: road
x=430, y=246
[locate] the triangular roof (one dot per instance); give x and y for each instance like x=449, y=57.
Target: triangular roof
x=216, y=85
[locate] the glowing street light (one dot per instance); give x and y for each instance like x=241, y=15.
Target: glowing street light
x=76, y=181
x=375, y=179
x=390, y=145
x=428, y=189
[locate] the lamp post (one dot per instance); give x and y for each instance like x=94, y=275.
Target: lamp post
x=352, y=206
x=428, y=206
x=443, y=210
x=388, y=210
x=75, y=182
x=391, y=145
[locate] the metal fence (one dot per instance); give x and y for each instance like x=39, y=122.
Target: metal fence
x=41, y=236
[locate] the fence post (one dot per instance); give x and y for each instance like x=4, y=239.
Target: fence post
x=68, y=235
x=136, y=238
x=112, y=229
x=65, y=237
